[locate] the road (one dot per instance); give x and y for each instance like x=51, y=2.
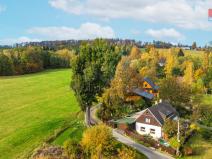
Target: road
x=150, y=153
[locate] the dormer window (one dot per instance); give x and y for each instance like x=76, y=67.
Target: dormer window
x=147, y=120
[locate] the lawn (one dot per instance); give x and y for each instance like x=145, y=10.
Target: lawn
x=74, y=131
x=202, y=149
x=32, y=107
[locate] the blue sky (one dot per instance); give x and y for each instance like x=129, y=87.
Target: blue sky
x=175, y=21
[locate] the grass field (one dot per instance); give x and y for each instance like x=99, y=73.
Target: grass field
x=31, y=108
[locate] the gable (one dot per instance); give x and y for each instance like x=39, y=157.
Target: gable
x=146, y=85
x=148, y=116
x=149, y=84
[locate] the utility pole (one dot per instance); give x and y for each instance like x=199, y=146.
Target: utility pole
x=178, y=135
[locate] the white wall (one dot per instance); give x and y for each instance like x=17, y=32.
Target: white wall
x=158, y=131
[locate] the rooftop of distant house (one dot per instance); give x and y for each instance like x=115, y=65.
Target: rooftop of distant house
x=152, y=84
x=143, y=93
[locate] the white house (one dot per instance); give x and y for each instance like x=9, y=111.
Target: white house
x=151, y=120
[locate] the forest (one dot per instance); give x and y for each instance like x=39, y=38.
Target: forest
x=24, y=60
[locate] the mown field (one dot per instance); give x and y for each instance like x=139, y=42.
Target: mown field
x=32, y=107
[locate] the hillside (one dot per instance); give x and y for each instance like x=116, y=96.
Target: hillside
x=31, y=108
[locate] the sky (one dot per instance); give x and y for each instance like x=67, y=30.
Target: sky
x=176, y=21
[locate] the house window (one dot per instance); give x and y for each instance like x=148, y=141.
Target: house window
x=142, y=129
x=152, y=131
x=145, y=85
x=147, y=120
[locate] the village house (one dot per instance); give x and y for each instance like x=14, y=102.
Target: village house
x=147, y=91
x=149, y=121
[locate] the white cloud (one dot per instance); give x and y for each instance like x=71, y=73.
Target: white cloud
x=135, y=32
x=11, y=41
x=2, y=8
x=190, y=14
x=85, y=31
x=165, y=34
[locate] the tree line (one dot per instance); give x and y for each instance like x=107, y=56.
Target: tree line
x=18, y=61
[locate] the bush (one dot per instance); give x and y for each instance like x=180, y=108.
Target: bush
x=187, y=151
x=6, y=66
x=174, y=143
x=72, y=149
x=126, y=153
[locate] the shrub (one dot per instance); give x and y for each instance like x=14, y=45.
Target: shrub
x=72, y=149
x=187, y=151
x=174, y=143
x=126, y=153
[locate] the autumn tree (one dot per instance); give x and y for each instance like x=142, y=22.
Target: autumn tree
x=73, y=149
x=6, y=65
x=170, y=63
x=205, y=61
x=177, y=93
x=198, y=73
x=98, y=141
x=126, y=78
x=148, y=63
x=188, y=73
x=198, y=87
x=135, y=53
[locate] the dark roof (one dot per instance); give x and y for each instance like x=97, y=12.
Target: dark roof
x=163, y=111
x=148, y=80
x=142, y=93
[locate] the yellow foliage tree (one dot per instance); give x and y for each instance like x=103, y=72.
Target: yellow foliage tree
x=144, y=71
x=198, y=73
x=145, y=57
x=135, y=53
x=97, y=141
x=170, y=63
x=188, y=73
x=125, y=78
x=206, y=61
x=154, y=55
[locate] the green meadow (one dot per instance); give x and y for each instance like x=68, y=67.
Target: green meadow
x=32, y=108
